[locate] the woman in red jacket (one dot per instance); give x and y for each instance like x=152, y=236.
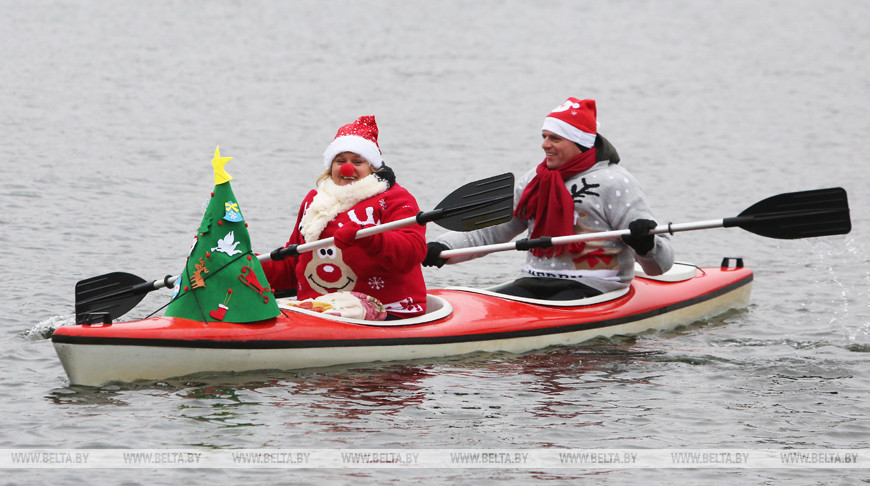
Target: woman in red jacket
x=356, y=191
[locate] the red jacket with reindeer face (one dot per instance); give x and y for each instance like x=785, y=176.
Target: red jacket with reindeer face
x=385, y=266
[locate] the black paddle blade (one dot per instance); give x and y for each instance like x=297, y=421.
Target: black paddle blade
x=475, y=205
x=805, y=214
x=109, y=296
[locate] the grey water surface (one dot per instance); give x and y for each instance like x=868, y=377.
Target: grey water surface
x=112, y=110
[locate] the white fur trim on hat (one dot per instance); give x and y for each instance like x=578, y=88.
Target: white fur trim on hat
x=568, y=132
x=358, y=145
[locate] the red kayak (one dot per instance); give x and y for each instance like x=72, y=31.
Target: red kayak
x=458, y=321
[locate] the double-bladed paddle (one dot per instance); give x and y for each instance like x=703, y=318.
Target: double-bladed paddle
x=475, y=205
x=793, y=215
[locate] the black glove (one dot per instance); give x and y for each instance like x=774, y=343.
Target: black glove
x=640, y=239
x=432, y=259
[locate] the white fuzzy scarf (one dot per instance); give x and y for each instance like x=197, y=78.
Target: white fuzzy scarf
x=332, y=200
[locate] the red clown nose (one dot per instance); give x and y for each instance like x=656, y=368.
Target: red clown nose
x=346, y=169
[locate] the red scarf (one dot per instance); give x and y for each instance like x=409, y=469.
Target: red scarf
x=546, y=199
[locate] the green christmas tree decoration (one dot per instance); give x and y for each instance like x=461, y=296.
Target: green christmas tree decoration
x=222, y=279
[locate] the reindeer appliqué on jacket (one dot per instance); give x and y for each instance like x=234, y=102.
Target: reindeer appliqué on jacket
x=578, y=194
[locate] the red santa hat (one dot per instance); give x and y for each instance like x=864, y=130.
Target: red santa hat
x=359, y=137
x=574, y=120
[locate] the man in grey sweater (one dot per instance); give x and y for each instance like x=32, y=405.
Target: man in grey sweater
x=578, y=188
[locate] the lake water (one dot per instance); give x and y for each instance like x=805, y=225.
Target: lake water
x=111, y=112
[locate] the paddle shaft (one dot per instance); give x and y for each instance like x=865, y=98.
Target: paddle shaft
x=283, y=253
x=293, y=250
x=793, y=218
x=548, y=241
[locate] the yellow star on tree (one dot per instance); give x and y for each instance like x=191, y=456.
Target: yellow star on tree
x=218, y=162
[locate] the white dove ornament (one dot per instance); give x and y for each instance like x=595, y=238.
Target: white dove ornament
x=227, y=244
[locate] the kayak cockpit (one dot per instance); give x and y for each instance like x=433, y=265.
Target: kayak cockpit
x=596, y=299
x=678, y=273
x=436, y=308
